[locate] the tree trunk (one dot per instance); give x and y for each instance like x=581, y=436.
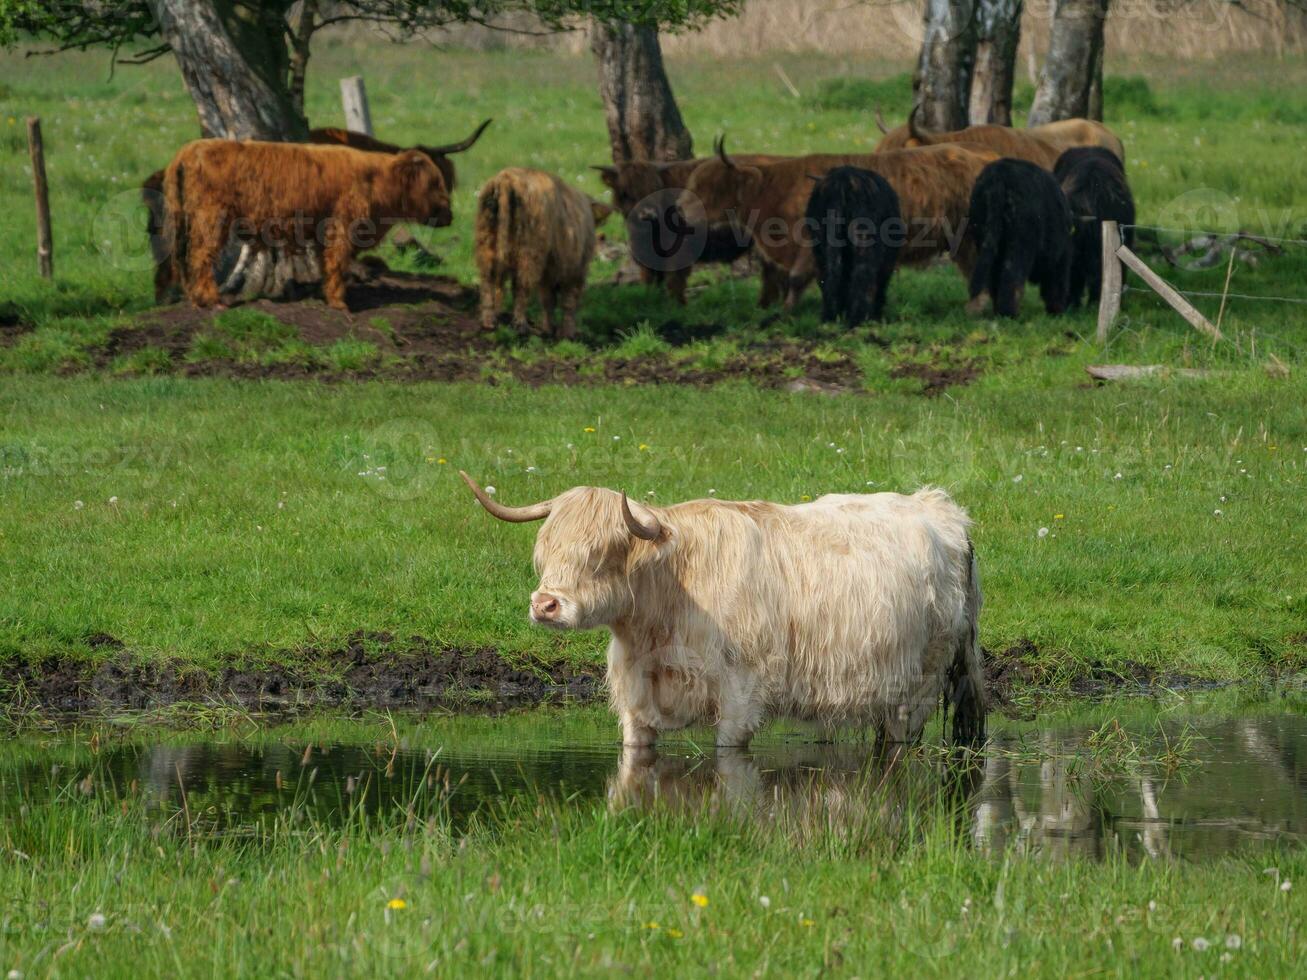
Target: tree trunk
x=643, y=120
x=998, y=33
x=1075, y=53
x=942, y=83
x=233, y=58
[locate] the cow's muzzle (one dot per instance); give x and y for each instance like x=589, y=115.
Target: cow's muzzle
x=440, y=218
x=546, y=609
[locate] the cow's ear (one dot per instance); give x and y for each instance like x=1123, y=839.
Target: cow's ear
x=607, y=174
x=600, y=211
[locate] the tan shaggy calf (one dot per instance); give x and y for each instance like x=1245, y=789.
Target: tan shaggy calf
x=293, y=196
x=535, y=230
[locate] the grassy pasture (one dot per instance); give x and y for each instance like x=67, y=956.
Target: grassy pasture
x=250, y=519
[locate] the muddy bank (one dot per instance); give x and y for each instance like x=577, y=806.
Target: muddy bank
x=413, y=327
x=378, y=670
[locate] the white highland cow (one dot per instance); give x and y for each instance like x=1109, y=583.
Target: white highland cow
x=852, y=609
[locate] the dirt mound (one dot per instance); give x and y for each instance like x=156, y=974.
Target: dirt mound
x=413, y=327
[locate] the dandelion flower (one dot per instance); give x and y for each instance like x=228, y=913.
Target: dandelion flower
x=78, y=505
x=589, y=428
x=651, y=925
x=1286, y=885
x=699, y=899
x=1058, y=517
x=712, y=491
x=531, y=469
x=1233, y=941
x=807, y=923
x=764, y=901
x=490, y=491
x=1018, y=478
x=617, y=438
x=96, y=922
x=643, y=446
x=1042, y=532
x=1200, y=944
x=113, y=501
x=674, y=933
x=805, y=497
x=442, y=461
x=1177, y=943
x=1217, y=512
x=397, y=905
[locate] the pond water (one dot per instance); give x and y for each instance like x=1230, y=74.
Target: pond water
x=1185, y=780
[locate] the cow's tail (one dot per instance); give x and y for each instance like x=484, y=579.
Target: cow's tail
x=497, y=213
x=174, y=235
x=966, y=691
x=989, y=255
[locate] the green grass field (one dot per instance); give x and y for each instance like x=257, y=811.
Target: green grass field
x=216, y=522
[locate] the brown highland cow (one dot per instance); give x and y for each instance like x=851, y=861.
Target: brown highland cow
x=292, y=196
x=1041, y=145
x=769, y=202
x=537, y=231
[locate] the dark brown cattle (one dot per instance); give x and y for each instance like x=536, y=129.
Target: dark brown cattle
x=768, y=201
x=636, y=188
x=1031, y=144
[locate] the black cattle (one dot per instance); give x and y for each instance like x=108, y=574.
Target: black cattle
x=1022, y=226
x=853, y=215
x=1093, y=180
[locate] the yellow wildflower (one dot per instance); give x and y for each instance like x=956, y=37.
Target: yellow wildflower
x=675, y=933
x=397, y=904
x=645, y=445
x=807, y=923
x=651, y=925
x=442, y=461
x=589, y=428
x=805, y=497
x=699, y=899
x=1058, y=517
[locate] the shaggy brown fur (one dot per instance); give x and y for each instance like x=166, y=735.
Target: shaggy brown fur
x=439, y=154
x=537, y=231
x=635, y=182
x=933, y=184
x=165, y=282
x=290, y=196
x=1033, y=144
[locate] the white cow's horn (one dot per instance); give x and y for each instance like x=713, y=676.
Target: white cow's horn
x=648, y=531
x=514, y=515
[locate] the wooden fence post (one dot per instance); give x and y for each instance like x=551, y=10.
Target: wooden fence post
x=1164, y=290
x=44, y=240
x=355, y=99
x=1109, y=297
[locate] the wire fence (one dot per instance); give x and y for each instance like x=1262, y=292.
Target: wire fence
x=1204, y=239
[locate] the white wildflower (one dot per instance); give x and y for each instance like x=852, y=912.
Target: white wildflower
x=1200, y=944
x=78, y=505
x=113, y=501
x=1233, y=941
x=764, y=901
x=1042, y=532
x=490, y=490
x=1018, y=478
x=96, y=922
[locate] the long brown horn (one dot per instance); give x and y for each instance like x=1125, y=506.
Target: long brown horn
x=514, y=515
x=462, y=145
x=721, y=152
x=647, y=532
x=880, y=121
x=917, y=133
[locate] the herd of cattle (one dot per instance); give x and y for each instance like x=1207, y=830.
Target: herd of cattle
x=1008, y=206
